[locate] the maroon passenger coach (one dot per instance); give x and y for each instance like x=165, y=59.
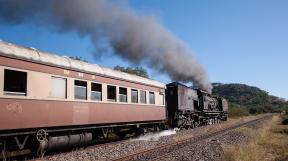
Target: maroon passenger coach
x=44, y=95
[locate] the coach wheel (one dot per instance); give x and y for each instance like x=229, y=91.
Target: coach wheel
x=41, y=135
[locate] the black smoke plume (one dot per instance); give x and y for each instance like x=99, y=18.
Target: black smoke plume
x=135, y=37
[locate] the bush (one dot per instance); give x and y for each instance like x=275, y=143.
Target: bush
x=139, y=71
x=252, y=111
x=256, y=100
x=285, y=120
x=237, y=111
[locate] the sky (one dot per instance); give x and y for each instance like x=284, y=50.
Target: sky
x=237, y=41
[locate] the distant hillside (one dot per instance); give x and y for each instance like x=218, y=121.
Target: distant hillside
x=245, y=99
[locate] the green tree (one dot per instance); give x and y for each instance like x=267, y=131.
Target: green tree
x=79, y=58
x=252, y=110
x=139, y=71
x=237, y=111
x=251, y=99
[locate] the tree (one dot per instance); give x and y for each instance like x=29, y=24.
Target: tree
x=139, y=71
x=252, y=110
x=250, y=98
x=79, y=58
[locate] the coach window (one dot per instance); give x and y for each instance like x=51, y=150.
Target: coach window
x=134, y=95
x=111, y=93
x=161, y=99
x=96, y=91
x=80, y=90
x=59, y=87
x=151, y=98
x=143, y=97
x=15, y=82
x=122, y=94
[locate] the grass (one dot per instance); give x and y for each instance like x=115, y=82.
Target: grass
x=269, y=143
x=245, y=130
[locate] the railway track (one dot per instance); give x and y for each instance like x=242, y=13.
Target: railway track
x=155, y=153
x=158, y=150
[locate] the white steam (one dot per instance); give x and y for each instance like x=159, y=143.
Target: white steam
x=155, y=136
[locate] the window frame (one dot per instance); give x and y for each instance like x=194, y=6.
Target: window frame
x=66, y=93
x=145, y=94
x=137, y=95
x=153, y=97
x=119, y=94
x=15, y=93
x=163, y=100
x=91, y=91
x=111, y=100
x=86, y=98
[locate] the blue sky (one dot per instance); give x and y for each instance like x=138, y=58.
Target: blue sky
x=237, y=41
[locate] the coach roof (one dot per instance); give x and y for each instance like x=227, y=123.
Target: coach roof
x=35, y=55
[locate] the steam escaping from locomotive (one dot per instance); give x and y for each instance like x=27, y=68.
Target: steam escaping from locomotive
x=155, y=136
x=113, y=25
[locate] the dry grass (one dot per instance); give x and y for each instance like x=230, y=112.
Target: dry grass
x=269, y=143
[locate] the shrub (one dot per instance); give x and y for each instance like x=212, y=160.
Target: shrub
x=285, y=120
x=237, y=111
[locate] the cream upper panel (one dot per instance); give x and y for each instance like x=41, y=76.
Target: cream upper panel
x=1, y=80
x=159, y=101
x=70, y=89
x=39, y=86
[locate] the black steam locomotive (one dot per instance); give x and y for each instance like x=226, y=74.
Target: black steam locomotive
x=189, y=108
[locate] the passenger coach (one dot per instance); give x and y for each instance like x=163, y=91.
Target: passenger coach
x=44, y=97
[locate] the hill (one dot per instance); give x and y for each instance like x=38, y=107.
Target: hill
x=244, y=99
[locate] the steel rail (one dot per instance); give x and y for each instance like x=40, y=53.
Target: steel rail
x=153, y=153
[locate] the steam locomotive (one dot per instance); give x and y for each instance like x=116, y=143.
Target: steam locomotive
x=189, y=108
x=48, y=102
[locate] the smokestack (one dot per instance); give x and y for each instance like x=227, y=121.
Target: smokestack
x=134, y=37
